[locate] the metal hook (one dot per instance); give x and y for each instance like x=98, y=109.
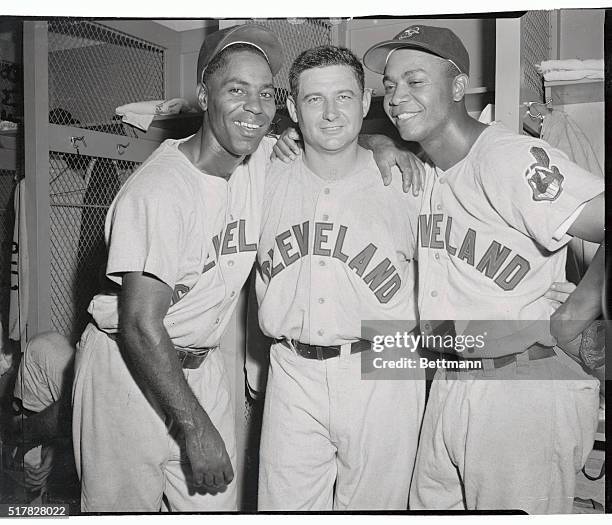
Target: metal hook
x=122, y=147
x=74, y=140
x=538, y=114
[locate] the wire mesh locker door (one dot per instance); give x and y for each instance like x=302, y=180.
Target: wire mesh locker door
x=521, y=43
x=535, y=47
x=92, y=70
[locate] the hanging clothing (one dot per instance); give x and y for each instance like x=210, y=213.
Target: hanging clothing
x=560, y=131
x=18, y=300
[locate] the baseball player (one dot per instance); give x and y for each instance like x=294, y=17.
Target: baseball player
x=336, y=248
x=498, y=211
x=152, y=411
x=40, y=424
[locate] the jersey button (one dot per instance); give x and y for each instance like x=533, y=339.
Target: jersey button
x=231, y=217
x=217, y=321
x=326, y=191
x=441, y=181
x=233, y=294
x=230, y=262
x=321, y=263
x=321, y=300
x=437, y=256
x=321, y=332
x=326, y=217
x=434, y=294
x=427, y=327
x=439, y=207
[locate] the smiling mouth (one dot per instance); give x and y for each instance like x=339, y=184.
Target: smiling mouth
x=406, y=116
x=247, y=125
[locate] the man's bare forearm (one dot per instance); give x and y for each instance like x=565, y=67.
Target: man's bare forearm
x=157, y=370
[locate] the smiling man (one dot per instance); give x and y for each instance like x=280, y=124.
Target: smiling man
x=336, y=248
x=498, y=211
x=153, y=417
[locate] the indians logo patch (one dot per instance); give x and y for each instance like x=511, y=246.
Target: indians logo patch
x=411, y=31
x=546, y=181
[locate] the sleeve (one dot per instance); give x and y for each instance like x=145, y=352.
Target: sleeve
x=147, y=231
x=536, y=189
x=265, y=148
x=413, y=204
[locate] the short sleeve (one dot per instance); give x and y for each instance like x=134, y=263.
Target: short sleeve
x=412, y=203
x=265, y=148
x=535, y=188
x=145, y=235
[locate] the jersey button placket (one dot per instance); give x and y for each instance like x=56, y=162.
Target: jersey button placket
x=321, y=275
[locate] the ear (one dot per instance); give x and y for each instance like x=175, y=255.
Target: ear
x=460, y=85
x=292, y=109
x=366, y=101
x=202, y=94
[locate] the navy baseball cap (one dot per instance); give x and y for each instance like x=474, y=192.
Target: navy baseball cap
x=252, y=34
x=438, y=41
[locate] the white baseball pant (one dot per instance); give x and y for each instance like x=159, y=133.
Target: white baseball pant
x=125, y=455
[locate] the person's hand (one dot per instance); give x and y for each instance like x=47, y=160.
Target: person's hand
x=560, y=291
x=211, y=467
x=388, y=154
x=287, y=148
x=567, y=323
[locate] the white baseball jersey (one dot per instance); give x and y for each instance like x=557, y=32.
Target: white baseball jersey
x=195, y=232
x=334, y=253
x=492, y=229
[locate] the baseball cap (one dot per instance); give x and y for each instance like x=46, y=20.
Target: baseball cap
x=438, y=41
x=251, y=34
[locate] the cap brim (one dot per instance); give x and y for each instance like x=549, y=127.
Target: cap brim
x=261, y=38
x=375, y=58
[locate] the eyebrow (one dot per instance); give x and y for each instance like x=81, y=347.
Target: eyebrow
x=242, y=82
x=318, y=93
x=406, y=73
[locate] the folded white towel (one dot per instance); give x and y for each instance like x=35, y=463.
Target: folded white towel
x=571, y=64
x=578, y=74
x=141, y=114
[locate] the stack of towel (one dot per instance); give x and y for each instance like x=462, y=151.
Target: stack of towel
x=141, y=114
x=572, y=69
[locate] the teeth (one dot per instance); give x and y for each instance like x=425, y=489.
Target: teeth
x=246, y=125
x=404, y=116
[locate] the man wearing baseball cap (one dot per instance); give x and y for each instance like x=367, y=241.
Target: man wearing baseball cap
x=498, y=211
x=153, y=419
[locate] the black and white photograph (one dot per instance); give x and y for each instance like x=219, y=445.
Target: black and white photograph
x=293, y=265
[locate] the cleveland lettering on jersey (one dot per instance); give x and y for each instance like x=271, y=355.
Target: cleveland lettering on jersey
x=325, y=239
x=231, y=240
x=495, y=262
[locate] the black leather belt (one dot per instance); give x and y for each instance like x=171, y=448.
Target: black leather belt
x=323, y=352
x=190, y=358
x=534, y=353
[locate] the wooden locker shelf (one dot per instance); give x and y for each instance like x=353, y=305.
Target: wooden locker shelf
x=563, y=92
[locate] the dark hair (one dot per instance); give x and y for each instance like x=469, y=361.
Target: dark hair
x=323, y=56
x=221, y=59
